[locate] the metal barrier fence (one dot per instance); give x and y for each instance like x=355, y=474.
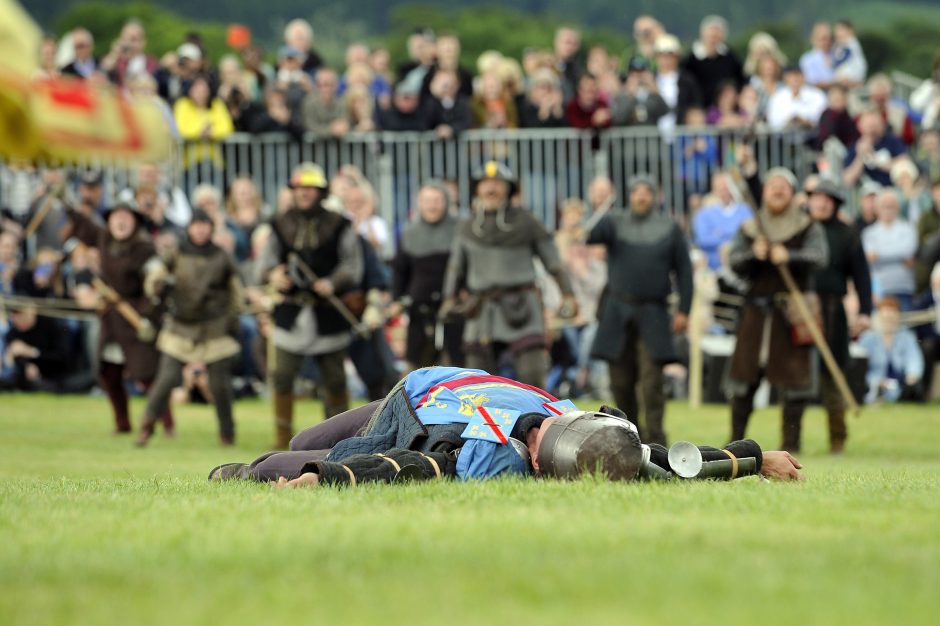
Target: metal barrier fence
x=552, y=165
x=904, y=84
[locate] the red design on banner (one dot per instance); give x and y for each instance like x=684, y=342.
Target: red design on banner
x=73, y=94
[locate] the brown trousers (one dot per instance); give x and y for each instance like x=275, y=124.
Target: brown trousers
x=531, y=365
x=636, y=366
x=312, y=444
x=332, y=374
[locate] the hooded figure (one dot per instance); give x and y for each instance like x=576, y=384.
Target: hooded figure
x=846, y=262
x=126, y=252
x=767, y=344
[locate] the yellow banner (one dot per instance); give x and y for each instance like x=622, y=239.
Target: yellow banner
x=67, y=119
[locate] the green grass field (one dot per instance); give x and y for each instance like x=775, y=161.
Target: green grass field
x=95, y=532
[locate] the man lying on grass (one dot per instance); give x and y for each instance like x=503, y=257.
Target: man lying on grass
x=464, y=423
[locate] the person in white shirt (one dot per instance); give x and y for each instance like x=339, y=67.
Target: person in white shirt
x=675, y=85
x=798, y=106
x=359, y=202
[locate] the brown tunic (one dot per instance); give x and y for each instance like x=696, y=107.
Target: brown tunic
x=122, y=268
x=787, y=365
x=203, y=305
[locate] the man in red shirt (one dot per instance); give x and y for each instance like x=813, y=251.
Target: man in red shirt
x=589, y=108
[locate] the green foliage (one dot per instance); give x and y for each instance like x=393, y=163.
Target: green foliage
x=787, y=33
x=491, y=28
x=166, y=30
x=96, y=532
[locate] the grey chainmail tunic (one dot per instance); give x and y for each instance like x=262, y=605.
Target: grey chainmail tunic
x=494, y=257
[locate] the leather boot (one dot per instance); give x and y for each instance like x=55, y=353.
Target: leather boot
x=792, y=426
x=146, y=431
x=837, y=431
x=740, y=415
x=283, y=420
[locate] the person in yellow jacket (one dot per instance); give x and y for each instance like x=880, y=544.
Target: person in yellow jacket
x=202, y=120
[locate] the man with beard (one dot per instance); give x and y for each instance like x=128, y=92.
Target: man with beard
x=203, y=305
x=635, y=334
x=313, y=254
x=846, y=262
x=767, y=342
x=124, y=353
x=492, y=267
x=418, y=280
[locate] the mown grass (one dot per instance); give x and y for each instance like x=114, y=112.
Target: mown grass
x=95, y=532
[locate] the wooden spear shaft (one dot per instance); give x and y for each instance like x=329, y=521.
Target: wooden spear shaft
x=141, y=325
x=43, y=211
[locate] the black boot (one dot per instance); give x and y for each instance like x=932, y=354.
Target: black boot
x=740, y=415
x=792, y=426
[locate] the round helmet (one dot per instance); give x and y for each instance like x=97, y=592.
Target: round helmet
x=494, y=170
x=832, y=189
x=587, y=441
x=308, y=174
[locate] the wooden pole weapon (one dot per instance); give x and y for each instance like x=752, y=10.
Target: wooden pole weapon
x=142, y=325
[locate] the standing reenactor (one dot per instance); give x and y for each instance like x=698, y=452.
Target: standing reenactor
x=492, y=268
x=313, y=257
x=125, y=353
x=771, y=338
x=204, y=297
x=418, y=279
x=846, y=262
x=646, y=250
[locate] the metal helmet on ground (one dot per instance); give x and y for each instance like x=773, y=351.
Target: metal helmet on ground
x=308, y=174
x=587, y=441
x=494, y=170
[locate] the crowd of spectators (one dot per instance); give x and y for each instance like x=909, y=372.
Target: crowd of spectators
x=657, y=84
x=884, y=150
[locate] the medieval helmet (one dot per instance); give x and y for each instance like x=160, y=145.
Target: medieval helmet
x=588, y=441
x=494, y=170
x=200, y=215
x=642, y=178
x=124, y=205
x=308, y=174
x=831, y=188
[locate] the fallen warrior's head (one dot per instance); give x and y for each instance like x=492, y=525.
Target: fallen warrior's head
x=580, y=442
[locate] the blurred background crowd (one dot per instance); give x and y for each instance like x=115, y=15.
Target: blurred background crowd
x=699, y=99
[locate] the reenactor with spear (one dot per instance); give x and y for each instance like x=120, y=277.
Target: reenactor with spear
x=777, y=252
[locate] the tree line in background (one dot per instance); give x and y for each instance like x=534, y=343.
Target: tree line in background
x=899, y=36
